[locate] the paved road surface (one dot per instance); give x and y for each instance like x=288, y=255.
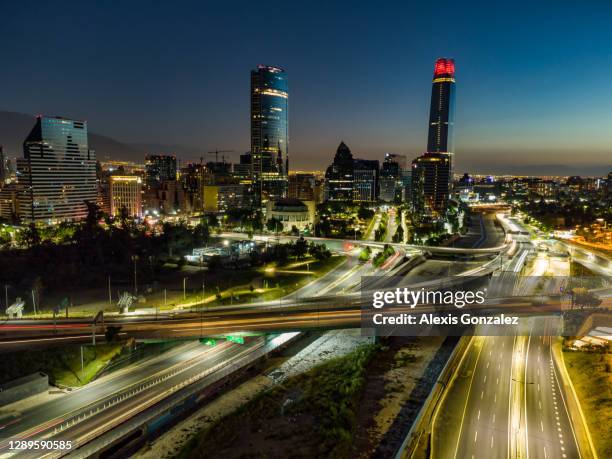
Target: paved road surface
x=172, y=367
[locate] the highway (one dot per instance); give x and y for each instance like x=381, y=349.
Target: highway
x=505, y=399
x=331, y=301
x=548, y=426
x=104, y=403
x=343, y=244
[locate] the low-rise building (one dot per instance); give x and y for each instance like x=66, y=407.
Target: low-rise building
x=292, y=212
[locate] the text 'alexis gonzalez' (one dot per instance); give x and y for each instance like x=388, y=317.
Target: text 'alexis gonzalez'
x=409, y=297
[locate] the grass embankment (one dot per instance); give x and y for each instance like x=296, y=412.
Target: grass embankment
x=62, y=363
x=591, y=374
x=311, y=415
x=272, y=281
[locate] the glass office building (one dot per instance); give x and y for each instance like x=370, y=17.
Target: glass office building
x=269, y=132
x=442, y=108
x=159, y=168
x=58, y=172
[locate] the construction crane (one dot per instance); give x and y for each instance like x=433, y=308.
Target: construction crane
x=216, y=153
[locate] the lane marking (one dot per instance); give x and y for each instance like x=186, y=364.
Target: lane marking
x=467, y=399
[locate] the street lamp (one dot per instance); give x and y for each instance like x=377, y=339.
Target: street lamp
x=135, y=259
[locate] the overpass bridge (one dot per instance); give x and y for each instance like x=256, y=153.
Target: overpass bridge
x=348, y=244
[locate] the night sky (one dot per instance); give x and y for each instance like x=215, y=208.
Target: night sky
x=533, y=81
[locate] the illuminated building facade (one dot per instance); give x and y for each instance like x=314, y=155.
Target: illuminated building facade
x=442, y=108
x=269, y=132
x=339, y=176
x=159, y=168
x=57, y=172
x=125, y=195
x=391, y=175
x=432, y=172
x=366, y=180
x=3, y=170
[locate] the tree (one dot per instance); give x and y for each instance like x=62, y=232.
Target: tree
x=29, y=236
x=300, y=248
x=257, y=221
x=399, y=234
x=213, y=221
x=319, y=251
x=274, y=225
x=5, y=239
x=201, y=234
x=365, y=254
x=364, y=213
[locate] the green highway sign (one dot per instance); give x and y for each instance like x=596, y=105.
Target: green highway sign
x=235, y=339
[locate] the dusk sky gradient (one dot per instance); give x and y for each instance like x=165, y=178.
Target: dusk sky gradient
x=533, y=81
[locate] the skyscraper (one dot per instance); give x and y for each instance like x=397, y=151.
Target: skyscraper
x=339, y=176
x=430, y=179
x=432, y=172
x=442, y=108
x=159, y=168
x=3, y=171
x=366, y=180
x=58, y=171
x=269, y=132
x=391, y=177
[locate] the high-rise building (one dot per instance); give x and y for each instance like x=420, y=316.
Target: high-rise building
x=339, y=176
x=301, y=186
x=366, y=180
x=430, y=178
x=391, y=177
x=159, y=168
x=242, y=169
x=269, y=132
x=58, y=172
x=3, y=170
x=442, y=108
x=125, y=195
x=432, y=172
x=9, y=201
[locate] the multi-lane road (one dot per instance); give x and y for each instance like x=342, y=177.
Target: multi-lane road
x=505, y=398
x=506, y=401
x=101, y=402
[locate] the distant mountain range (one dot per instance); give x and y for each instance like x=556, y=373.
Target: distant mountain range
x=14, y=128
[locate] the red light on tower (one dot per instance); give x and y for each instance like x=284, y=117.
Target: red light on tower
x=444, y=67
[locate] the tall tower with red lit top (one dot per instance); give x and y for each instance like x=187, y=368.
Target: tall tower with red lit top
x=432, y=173
x=441, y=112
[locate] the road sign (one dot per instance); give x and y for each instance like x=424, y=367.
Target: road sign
x=235, y=339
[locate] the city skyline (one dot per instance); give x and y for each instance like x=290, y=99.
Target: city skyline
x=524, y=104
